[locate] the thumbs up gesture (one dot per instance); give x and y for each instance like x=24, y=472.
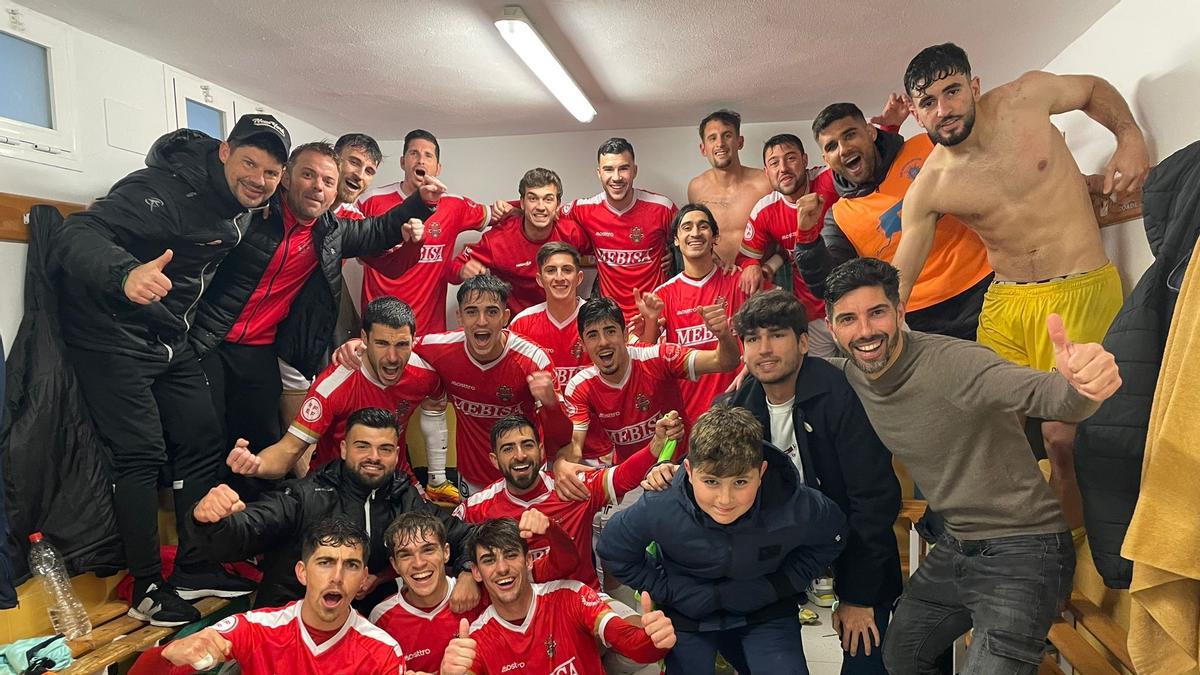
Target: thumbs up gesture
x=656, y=624
x=460, y=653
x=146, y=283
x=1090, y=369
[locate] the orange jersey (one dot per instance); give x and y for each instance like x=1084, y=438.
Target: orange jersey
x=957, y=260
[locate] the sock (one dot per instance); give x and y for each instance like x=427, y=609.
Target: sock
x=433, y=428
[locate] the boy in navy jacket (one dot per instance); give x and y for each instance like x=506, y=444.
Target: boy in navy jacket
x=739, y=538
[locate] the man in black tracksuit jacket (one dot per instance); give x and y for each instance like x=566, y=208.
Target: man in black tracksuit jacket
x=253, y=314
x=131, y=271
x=273, y=524
x=838, y=452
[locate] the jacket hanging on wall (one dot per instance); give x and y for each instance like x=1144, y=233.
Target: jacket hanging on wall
x=8, y=593
x=1110, y=445
x=55, y=479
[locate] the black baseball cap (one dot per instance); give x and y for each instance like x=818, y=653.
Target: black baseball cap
x=266, y=126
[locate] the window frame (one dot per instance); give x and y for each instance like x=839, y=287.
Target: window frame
x=20, y=140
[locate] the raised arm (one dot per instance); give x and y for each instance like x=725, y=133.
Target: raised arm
x=1102, y=102
x=727, y=355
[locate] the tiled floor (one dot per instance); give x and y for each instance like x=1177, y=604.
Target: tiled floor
x=822, y=649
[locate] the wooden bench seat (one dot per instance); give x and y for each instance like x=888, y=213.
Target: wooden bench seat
x=117, y=636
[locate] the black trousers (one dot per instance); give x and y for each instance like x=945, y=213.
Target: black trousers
x=957, y=316
x=154, y=415
x=245, y=385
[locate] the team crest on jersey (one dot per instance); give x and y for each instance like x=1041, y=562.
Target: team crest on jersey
x=635, y=234
x=434, y=228
x=911, y=169
x=577, y=349
x=550, y=646
x=642, y=402
x=504, y=393
x=311, y=410
x=749, y=232
x=403, y=408
x=225, y=625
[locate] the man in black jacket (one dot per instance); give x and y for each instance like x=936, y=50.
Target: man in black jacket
x=276, y=296
x=363, y=486
x=808, y=410
x=132, y=268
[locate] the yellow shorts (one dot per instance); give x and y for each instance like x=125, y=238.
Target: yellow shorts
x=1013, y=318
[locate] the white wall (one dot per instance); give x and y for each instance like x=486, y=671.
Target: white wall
x=1148, y=50
x=100, y=71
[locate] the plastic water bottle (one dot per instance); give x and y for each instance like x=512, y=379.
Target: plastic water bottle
x=67, y=614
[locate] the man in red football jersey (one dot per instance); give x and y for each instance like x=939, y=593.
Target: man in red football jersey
x=390, y=377
x=489, y=373
x=629, y=227
x=422, y=286
x=518, y=453
x=629, y=388
x=552, y=326
x=419, y=613
x=701, y=283
x=321, y=633
x=509, y=246
x=544, y=628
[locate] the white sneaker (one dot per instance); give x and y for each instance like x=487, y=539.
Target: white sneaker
x=820, y=593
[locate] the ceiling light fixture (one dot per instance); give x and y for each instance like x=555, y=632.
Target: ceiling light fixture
x=518, y=32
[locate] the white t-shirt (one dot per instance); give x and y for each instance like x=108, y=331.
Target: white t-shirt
x=783, y=431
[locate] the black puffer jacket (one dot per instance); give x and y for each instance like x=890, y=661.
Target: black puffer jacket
x=274, y=525
x=182, y=202
x=304, y=338
x=55, y=478
x=1109, y=446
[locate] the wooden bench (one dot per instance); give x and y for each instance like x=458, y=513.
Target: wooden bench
x=117, y=636
x=1076, y=654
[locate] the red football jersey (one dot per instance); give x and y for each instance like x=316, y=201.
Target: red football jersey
x=269, y=303
x=269, y=641
x=681, y=295
x=558, y=636
x=772, y=228
x=629, y=245
x=425, y=632
x=339, y=391
x=482, y=393
x=348, y=211
x=628, y=410
x=606, y=486
x=508, y=253
x=423, y=286
x=565, y=349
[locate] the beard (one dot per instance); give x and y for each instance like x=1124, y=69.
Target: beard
x=522, y=483
x=877, y=366
x=952, y=139
x=369, y=482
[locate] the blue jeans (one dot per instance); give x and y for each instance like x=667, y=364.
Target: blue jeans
x=1009, y=589
x=772, y=647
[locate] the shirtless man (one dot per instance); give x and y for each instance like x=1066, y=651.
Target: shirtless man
x=728, y=189
x=1004, y=170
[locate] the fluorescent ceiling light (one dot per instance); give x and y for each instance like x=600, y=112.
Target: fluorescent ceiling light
x=518, y=32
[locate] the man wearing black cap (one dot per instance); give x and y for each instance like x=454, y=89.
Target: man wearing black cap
x=276, y=296
x=132, y=268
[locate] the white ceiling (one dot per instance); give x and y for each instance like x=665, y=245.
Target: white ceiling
x=387, y=66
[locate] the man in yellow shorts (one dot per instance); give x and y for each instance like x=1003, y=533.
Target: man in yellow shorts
x=1005, y=171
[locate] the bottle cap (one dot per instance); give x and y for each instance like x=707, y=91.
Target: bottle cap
x=35, y=537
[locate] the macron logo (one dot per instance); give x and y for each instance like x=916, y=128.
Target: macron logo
x=153, y=203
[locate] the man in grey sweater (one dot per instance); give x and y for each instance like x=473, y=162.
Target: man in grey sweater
x=953, y=411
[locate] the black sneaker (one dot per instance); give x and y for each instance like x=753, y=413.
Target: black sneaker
x=161, y=606
x=210, y=582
